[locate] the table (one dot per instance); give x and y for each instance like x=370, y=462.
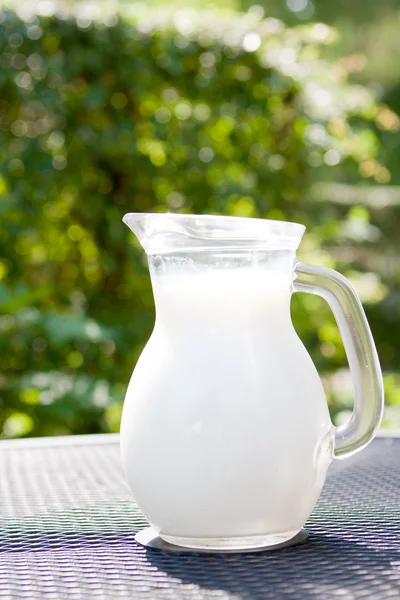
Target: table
x=67, y=525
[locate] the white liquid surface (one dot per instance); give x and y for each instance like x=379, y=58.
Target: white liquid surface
x=225, y=430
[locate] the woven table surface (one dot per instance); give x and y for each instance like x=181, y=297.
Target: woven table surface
x=67, y=525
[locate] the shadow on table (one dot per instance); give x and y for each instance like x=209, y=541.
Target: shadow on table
x=326, y=566
x=323, y=567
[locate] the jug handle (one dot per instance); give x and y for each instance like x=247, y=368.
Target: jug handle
x=360, y=350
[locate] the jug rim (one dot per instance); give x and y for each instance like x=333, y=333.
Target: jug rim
x=162, y=232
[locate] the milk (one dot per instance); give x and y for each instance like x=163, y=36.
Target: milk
x=226, y=434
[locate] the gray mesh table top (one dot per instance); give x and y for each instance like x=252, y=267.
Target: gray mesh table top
x=67, y=525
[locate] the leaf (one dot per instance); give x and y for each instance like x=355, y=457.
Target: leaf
x=63, y=328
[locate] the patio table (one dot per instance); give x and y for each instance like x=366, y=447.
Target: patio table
x=68, y=520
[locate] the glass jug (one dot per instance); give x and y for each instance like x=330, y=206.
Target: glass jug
x=226, y=436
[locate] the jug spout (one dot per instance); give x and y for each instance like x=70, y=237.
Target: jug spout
x=161, y=233
x=140, y=224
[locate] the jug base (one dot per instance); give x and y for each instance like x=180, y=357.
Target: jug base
x=148, y=537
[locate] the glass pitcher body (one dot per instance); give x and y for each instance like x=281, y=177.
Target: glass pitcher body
x=225, y=436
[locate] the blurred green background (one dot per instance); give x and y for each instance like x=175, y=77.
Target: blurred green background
x=285, y=111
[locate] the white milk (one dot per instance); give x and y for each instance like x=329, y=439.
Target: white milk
x=225, y=430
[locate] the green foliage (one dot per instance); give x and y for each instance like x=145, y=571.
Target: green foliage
x=200, y=113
